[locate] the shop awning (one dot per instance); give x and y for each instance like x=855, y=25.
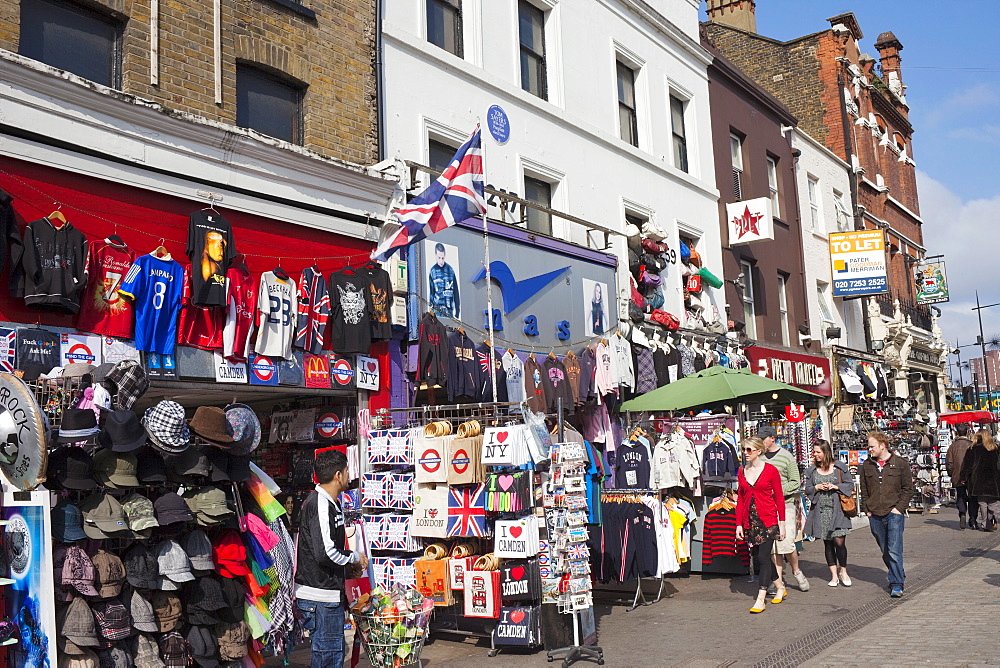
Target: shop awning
x=715, y=385
x=959, y=417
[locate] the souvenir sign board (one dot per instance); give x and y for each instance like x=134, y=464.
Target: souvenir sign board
x=23, y=457
x=263, y=370
x=482, y=594
x=115, y=350
x=517, y=626
x=80, y=348
x=229, y=372
x=367, y=373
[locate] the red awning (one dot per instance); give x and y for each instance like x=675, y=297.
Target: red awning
x=959, y=417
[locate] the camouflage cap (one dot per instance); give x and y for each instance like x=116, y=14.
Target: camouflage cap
x=139, y=512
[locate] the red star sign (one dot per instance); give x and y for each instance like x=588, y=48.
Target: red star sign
x=747, y=223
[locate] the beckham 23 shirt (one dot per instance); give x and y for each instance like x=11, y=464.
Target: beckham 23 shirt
x=278, y=311
x=155, y=285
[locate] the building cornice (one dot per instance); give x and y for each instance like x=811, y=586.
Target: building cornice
x=667, y=28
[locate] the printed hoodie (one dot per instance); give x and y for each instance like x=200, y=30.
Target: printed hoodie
x=54, y=261
x=558, y=385
x=432, y=356
x=535, y=386
x=464, y=372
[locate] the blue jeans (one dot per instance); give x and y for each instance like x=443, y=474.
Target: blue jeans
x=325, y=624
x=888, y=532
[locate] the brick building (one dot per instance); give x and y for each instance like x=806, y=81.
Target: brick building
x=856, y=107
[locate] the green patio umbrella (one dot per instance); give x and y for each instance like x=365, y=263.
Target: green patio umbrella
x=715, y=385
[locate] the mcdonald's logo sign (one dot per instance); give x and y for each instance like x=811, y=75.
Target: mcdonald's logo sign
x=317, y=368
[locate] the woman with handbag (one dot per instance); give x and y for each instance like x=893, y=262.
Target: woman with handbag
x=829, y=485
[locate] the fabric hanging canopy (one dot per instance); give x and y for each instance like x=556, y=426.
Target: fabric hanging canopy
x=960, y=417
x=715, y=385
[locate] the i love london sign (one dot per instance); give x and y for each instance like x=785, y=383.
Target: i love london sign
x=750, y=220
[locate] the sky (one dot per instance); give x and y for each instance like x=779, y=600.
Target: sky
x=952, y=74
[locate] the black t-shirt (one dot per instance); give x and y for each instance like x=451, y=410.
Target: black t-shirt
x=210, y=248
x=350, y=325
x=632, y=466
x=37, y=347
x=379, y=301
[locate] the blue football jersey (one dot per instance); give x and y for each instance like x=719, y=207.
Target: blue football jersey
x=155, y=286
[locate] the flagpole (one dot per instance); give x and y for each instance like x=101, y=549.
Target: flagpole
x=489, y=278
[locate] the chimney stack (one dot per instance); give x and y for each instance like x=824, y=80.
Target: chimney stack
x=740, y=14
x=888, y=48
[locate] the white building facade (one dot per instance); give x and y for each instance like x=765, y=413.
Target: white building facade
x=607, y=105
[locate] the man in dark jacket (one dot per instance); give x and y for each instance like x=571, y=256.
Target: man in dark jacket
x=886, y=490
x=320, y=561
x=953, y=464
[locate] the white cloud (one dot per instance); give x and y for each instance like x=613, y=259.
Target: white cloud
x=968, y=235
x=968, y=102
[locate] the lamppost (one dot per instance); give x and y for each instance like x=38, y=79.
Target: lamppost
x=982, y=344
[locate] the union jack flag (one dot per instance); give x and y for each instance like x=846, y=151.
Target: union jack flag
x=376, y=490
x=456, y=195
x=467, y=511
x=578, y=551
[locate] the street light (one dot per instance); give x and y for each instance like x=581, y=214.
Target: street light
x=982, y=343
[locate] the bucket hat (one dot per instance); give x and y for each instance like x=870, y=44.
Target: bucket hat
x=151, y=470
x=67, y=522
x=141, y=568
x=78, y=571
x=139, y=512
x=245, y=427
x=130, y=383
x=77, y=623
x=109, y=575
x=102, y=516
x=166, y=427
x=170, y=508
x=78, y=424
x=122, y=431
x=70, y=467
x=116, y=470
x=114, y=621
x=210, y=423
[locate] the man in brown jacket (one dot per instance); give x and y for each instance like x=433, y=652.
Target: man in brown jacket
x=886, y=490
x=953, y=464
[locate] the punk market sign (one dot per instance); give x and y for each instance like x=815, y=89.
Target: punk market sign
x=805, y=372
x=750, y=220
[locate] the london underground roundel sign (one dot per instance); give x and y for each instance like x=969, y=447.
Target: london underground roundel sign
x=342, y=372
x=328, y=425
x=263, y=369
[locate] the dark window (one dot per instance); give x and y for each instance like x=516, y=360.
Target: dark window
x=531, y=22
x=268, y=105
x=679, y=133
x=444, y=25
x=627, y=121
x=439, y=155
x=539, y=192
x=638, y=221
x=71, y=38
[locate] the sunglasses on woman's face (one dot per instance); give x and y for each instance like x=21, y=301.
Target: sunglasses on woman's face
x=749, y=450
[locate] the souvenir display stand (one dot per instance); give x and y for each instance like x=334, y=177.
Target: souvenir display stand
x=492, y=519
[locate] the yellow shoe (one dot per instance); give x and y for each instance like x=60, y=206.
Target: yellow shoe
x=759, y=605
x=780, y=595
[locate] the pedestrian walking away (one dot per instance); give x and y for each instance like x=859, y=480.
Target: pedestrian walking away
x=321, y=560
x=788, y=468
x=824, y=482
x=886, y=490
x=760, y=515
x=980, y=477
x=953, y=464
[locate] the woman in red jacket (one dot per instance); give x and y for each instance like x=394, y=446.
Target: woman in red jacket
x=760, y=514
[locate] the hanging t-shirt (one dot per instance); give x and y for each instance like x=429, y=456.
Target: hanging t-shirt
x=241, y=295
x=632, y=464
x=102, y=310
x=210, y=248
x=314, y=311
x=350, y=330
x=155, y=285
x=276, y=302
x=514, y=368
x=39, y=347
x=380, y=299
x=201, y=326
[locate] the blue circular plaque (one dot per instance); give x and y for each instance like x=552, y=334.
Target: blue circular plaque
x=498, y=123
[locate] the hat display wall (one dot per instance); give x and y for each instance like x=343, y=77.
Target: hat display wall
x=167, y=429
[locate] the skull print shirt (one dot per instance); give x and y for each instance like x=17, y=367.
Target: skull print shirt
x=350, y=313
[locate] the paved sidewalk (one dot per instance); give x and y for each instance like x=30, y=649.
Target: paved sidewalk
x=951, y=623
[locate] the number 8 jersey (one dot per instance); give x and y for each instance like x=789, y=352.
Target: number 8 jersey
x=155, y=285
x=278, y=310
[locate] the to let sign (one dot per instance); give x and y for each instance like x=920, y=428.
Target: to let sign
x=858, y=262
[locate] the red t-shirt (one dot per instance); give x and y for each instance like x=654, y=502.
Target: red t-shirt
x=102, y=309
x=241, y=297
x=200, y=327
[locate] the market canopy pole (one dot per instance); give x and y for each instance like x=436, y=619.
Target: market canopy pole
x=489, y=287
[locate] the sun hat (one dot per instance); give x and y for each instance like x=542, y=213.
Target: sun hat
x=210, y=423
x=166, y=427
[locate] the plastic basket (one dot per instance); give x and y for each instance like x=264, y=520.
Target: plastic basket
x=392, y=639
